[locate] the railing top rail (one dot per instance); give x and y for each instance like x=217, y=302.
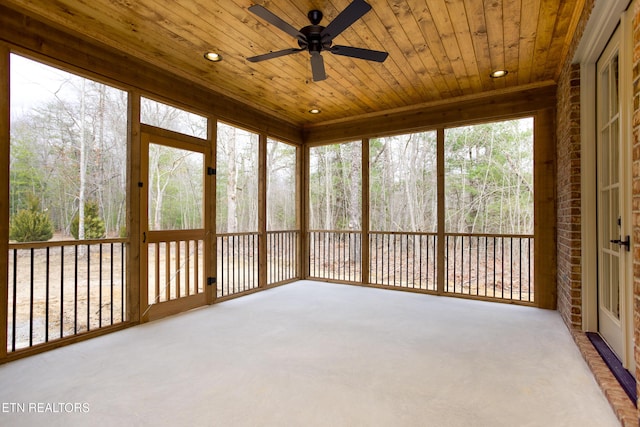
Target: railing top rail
x=514, y=236
x=406, y=233
x=419, y=233
x=58, y=243
x=336, y=231
x=282, y=231
x=246, y=233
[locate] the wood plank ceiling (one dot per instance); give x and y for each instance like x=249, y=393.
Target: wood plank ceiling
x=438, y=49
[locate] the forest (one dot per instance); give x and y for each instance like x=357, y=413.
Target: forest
x=488, y=181
x=68, y=170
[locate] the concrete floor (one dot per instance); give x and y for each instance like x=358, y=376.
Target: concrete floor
x=317, y=354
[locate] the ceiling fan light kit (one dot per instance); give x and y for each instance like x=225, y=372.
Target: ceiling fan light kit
x=315, y=38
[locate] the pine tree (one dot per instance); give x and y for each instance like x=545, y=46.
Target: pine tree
x=31, y=224
x=93, y=225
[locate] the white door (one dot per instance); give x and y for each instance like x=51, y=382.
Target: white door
x=613, y=196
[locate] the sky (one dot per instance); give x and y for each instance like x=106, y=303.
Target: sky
x=32, y=83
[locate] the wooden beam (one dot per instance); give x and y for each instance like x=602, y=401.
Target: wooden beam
x=5, y=152
x=495, y=105
x=98, y=61
x=544, y=229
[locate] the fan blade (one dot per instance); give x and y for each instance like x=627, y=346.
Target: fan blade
x=317, y=67
x=272, y=55
x=356, y=52
x=348, y=16
x=271, y=18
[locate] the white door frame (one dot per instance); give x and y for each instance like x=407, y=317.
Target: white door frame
x=605, y=18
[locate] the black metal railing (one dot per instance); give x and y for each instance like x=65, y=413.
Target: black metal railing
x=282, y=256
x=335, y=255
x=61, y=289
x=238, y=263
x=176, y=269
x=495, y=266
x=406, y=260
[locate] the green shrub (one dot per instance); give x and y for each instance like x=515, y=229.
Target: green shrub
x=94, y=227
x=31, y=225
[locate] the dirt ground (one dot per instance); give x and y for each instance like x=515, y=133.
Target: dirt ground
x=63, y=292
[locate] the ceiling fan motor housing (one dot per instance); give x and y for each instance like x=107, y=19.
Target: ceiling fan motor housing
x=313, y=34
x=313, y=41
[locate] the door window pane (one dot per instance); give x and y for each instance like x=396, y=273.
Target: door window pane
x=176, y=185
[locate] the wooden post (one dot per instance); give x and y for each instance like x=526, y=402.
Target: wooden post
x=262, y=211
x=4, y=195
x=210, y=240
x=441, y=276
x=303, y=173
x=544, y=227
x=135, y=281
x=301, y=213
x=365, y=212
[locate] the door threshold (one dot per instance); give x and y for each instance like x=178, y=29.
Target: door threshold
x=624, y=377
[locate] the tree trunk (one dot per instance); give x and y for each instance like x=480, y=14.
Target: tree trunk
x=232, y=183
x=83, y=165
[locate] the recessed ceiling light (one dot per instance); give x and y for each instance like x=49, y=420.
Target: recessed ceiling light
x=213, y=56
x=314, y=111
x=498, y=73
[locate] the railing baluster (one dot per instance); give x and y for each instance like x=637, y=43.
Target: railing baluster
x=75, y=291
x=224, y=280
x=520, y=269
x=502, y=264
x=122, y=278
x=486, y=264
x=232, y=252
x=88, y=285
x=455, y=255
x=31, y=291
x=470, y=254
x=110, y=288
x=47, y=286
x=446, y=257
x=187, y=263
x=100, y=290
x=511, y=268
x=61, y=291
x=529, y=266
x=477, y=265
x=15, y=300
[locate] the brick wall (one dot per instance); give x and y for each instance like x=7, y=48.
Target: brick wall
x=568, y=191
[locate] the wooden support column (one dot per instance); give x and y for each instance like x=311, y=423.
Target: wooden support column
x=4, y=195
x=302, y=225
x=262, y=211
x=210, y=240
x=365, y=212
x=544, y=225
x=441, y=276
x=134, y=180
x=303, y=173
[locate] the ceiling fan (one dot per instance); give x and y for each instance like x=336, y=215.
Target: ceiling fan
x=315, y=38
